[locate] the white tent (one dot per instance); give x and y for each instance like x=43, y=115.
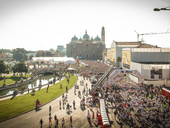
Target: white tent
x=65, y=60
x=51, y=66
x=71, y=69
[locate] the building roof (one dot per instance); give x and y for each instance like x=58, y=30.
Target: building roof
x=153, y=62
x=147, y=46
x=97, y=38
x=128, y=43
x=86, y=36
x=80, y=39
x=92, y=39
x=74, y=39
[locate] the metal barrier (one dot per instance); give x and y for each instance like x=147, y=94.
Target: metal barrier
x=104, y=117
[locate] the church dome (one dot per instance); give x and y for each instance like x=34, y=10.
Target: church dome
x=86, y=36
x=92, y=39
x=97, y=39
x=74, y=39
x=80, y=39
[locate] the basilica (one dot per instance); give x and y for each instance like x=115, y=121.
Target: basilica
x=87, y=48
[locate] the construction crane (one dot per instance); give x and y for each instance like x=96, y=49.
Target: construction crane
x=138, y=35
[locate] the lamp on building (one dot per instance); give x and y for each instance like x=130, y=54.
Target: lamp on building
x=159, y=9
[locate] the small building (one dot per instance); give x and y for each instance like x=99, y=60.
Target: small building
x=116, y=50
x=152, y=62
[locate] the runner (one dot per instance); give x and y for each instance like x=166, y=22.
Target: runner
x=74, y=104
x=97, y=114
x=66, y=96
x=60, y=86
x=55, y=117
x=71, y=121
x=60, y=104
x=50, y=109
x=75, y=91
x=93, y=115
x=62, y=122
x=63, y=104
x=96, y=123
x=57, y=123
x=41, y=122
x=50, y=123
x=66, y=89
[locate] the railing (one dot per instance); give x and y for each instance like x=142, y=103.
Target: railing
x=98, y=84
x=126, y=66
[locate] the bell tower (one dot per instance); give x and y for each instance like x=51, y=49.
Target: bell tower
x=103, y=35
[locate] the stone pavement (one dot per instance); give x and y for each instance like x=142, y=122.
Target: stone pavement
x=32, y=118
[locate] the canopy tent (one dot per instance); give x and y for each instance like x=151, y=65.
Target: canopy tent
x=65, y=60
x=51, y=66
x=71, y=69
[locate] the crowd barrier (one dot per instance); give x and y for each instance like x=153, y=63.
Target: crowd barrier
x=166, y=92
x=103, y=118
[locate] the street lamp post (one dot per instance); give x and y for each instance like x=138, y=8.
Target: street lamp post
x=159, y=9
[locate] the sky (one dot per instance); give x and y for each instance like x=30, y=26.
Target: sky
x=44, y=24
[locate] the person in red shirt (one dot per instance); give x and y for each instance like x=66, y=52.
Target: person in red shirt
x=71, y=121
x=97, y=114
x=50, y=123
x=93, y=115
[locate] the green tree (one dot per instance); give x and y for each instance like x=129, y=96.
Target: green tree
x=51, y=50
x=30, y=58
x=19, y=54
x=3, y=67
x=20, y=67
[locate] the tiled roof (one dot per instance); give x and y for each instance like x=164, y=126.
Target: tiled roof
x=128, y=43
x=147, y=46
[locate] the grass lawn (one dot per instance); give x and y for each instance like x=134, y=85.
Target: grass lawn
x=12, y=79
x=20, y=104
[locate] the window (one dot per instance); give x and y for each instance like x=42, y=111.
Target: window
x=156, y=72
x=87, y=56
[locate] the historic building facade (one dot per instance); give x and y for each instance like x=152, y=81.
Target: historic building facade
x=87, y=48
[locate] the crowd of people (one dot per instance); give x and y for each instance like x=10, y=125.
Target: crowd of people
x=137, y=105
x=134, y=105
x=94, y=68
x=91, y=68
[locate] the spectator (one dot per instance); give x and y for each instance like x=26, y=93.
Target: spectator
x=63, y=122
x=41, y=123
x=50, y=109
x=50, y=123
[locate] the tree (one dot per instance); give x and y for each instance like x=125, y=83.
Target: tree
x=51, y=50
x=30, y=58
x=19, y=54
x=3, y=67
x=20, y=67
